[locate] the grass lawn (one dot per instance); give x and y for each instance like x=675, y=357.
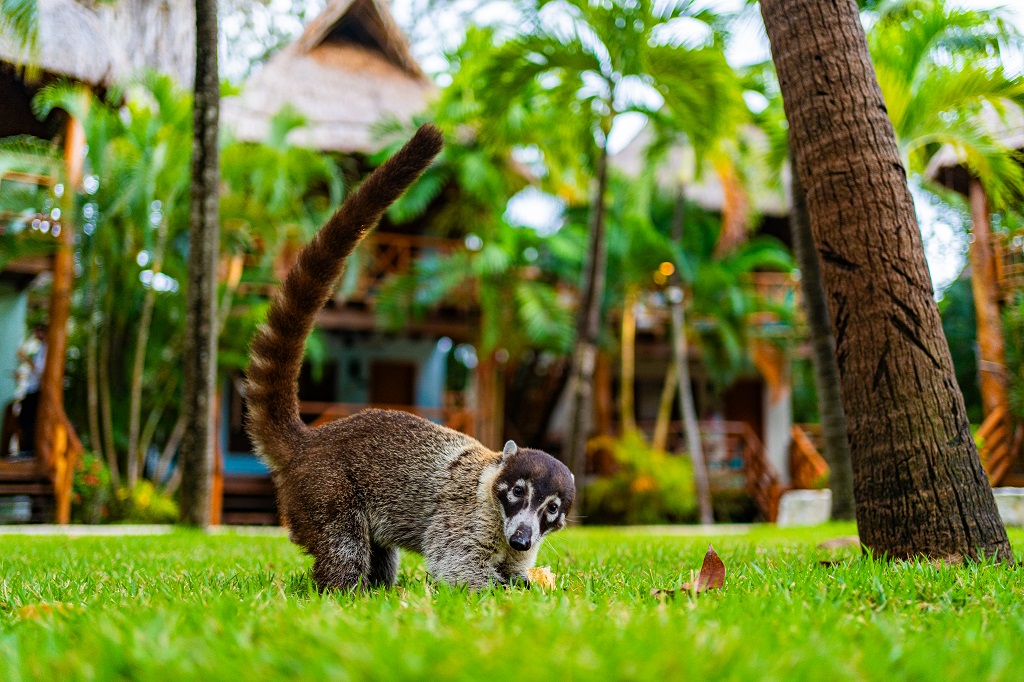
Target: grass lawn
x=193, y=607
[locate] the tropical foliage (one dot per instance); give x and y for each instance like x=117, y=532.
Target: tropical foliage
x=944, y=83
x=131, y=257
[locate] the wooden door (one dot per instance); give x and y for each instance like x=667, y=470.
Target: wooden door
x=392, y=382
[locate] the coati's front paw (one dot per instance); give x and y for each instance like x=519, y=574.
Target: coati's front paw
x=513, y=580
x=520, y=580
x=499, y=580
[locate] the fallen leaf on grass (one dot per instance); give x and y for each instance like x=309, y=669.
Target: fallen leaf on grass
x=541, y=576
x=711, y=577
x=37, y=611
x=839, y=543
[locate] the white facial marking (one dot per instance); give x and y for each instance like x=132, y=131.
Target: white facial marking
x=523, y=516
x=520, y=483
x=557, y=501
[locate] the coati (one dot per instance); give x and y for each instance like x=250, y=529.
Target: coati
x=357, y=490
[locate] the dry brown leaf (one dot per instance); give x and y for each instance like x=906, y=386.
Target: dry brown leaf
x=541, y=576
x=839, y=543
x=36, y=611
x=710, y=577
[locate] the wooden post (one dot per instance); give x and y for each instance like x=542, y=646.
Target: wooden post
x=52, y=438
x=991, y=345
x=604, y=412
x=217, y=478
x=486, y=385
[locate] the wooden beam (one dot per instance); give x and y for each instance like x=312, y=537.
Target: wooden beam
x=53, y=433
x=991, y=343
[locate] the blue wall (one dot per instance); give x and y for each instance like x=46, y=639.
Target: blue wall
x=13, y=306
x=357, y=352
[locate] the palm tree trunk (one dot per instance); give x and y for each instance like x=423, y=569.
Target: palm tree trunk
x=681, y=360
x=200, y=354
x=823, y=347
x=136, y=458
x=627, y=400
x=664, y=420
x=106, y=412
x=588, y=327
x=918, y=481
x=92, y=382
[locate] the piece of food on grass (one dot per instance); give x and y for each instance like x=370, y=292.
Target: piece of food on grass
x=541, y=576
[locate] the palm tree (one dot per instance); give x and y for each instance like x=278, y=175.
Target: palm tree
x=645, y=244
x=200, y=352
x=591, y=62
x=919, y=484
x=703, y=121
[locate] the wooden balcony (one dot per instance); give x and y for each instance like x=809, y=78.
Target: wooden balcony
x=389, y=254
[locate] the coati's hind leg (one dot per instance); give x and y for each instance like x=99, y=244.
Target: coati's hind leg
x=383, y=566
x=341, y=556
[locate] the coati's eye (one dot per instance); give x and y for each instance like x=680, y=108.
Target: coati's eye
x=518, y=491
x=552, y=508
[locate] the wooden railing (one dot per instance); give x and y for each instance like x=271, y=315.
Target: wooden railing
x=19, y=178
x=807, y=467
x=391, y=254
x=379, y=255
x=736, y=457
x=461, y=419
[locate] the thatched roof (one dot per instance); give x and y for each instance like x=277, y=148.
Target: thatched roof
x=947, y=166
x=71, y=42
x=350, y=68
x=708, y=193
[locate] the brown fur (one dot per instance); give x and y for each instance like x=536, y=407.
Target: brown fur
x=356, y=490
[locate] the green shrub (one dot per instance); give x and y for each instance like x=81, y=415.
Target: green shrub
x=143, y=505
x=649, y=486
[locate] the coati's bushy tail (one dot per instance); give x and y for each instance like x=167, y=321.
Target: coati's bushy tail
x=276, y=352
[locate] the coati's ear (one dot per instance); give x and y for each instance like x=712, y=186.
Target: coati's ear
x=510, y=449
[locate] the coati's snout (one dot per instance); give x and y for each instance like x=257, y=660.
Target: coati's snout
x=535, y=493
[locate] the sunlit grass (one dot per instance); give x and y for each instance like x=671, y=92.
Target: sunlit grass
x=189, y=606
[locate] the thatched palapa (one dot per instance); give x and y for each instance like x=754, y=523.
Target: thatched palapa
x=947, y=167
x=71, y=42
x=350, y=68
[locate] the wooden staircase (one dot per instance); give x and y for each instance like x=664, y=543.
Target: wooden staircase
x=999, y=444
x=808, y=468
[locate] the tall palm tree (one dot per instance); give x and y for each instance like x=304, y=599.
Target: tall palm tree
x=592, y=62
x=919, y=484
x=703, y=120
x=645, y=243
x=200, y=352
